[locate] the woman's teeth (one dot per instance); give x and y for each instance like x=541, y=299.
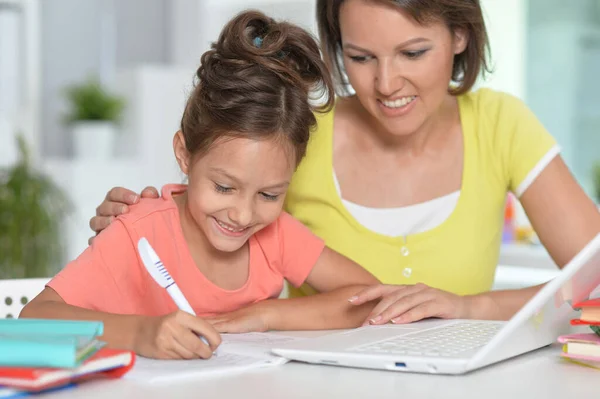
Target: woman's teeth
x=401, y=102
x=229, y=228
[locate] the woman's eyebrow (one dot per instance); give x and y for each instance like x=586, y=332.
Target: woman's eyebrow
x=351, y=46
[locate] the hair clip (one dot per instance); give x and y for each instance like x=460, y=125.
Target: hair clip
x=258, y=41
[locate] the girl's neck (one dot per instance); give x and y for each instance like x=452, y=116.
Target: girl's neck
x=417, y=142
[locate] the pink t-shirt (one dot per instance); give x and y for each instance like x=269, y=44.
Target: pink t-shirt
x=109, y=276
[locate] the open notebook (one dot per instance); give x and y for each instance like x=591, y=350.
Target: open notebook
x=237, y=352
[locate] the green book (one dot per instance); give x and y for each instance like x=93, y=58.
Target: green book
x=48, y=343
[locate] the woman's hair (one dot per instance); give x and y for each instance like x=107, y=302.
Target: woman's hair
x=258, y=81
x=456, y=14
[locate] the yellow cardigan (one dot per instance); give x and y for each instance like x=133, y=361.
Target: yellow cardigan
x=503, y=142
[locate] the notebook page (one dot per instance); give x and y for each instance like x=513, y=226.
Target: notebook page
x=238, y=352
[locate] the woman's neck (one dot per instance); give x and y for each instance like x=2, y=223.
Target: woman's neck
x=415, y=143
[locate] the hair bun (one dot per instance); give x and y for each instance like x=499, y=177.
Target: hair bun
x=252, y=39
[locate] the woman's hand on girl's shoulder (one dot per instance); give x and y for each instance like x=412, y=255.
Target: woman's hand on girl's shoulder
x=114, y=204
x=401, y=304
x=175, y=336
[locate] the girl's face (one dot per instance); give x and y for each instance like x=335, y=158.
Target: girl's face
x=400, y=70
x=236, y=188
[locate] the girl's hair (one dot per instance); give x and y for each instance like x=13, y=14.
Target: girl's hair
x=257, y=82
x=456, y=14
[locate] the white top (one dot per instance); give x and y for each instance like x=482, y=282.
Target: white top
x=405, y=220
x=427, y=215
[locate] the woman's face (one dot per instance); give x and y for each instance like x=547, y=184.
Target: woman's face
x=399, y=69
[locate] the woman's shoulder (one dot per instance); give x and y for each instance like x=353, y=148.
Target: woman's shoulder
x=493, y=103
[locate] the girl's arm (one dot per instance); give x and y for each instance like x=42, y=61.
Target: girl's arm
x=119, y=330
x=336, y=277
x=168, y=337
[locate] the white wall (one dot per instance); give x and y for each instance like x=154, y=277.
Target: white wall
x=507, y=30
x=197, y=23
x=73, y=44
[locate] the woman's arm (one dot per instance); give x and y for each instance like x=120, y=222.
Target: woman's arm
x=167, y=337
x=564, y=218
x=336, y=277
x=116, y=203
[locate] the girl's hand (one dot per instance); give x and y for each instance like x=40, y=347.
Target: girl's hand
x=115, y=204
x=407, y=303
x=175, y=336
x=254, y=318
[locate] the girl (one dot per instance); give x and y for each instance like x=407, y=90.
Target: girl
x=223, y=237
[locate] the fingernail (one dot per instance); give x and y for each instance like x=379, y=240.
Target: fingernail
x=375, y=319
x=352, y=299
x=134, y=199
x=123, y=209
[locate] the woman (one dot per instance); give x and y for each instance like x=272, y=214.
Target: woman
x=408, y=176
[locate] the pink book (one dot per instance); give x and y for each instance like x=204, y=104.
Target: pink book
x=584, y=348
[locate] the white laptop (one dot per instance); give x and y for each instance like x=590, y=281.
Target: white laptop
x=458, y=346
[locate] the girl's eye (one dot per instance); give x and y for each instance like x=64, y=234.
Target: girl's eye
x=361, y=59
x=269, y=197
x=222, y=189
x=414, y=54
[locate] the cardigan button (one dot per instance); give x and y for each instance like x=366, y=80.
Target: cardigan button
x=407, y=272
x=404, y=251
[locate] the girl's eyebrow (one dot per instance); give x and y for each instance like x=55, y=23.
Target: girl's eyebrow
x=350, y=46
x=280, y=185
x=223, y=172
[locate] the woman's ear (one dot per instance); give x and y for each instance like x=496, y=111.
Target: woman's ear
x=181, y=153
x=461, y=39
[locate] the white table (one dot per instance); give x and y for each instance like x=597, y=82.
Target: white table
x=539, y=374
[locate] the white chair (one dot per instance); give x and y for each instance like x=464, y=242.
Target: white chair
x=14, y=294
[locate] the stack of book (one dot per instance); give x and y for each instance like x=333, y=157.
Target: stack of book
x=584, y=348
x=39, y=355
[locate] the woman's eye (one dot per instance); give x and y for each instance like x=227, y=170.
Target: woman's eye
x=414, y=54
x=269, y=197
x=222, y=189
x=361, y=59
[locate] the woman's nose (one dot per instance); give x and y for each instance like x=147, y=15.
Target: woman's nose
x=388, y=80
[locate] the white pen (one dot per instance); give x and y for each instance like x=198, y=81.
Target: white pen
x=157, y=270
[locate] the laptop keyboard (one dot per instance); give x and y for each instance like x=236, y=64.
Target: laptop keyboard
x=447, y=341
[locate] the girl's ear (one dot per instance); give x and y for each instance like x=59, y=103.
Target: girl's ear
x=181, y=153
x=461, y=39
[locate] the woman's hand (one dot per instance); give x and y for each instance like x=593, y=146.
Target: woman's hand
x=254, y=318
x=115, y=204
x=175, y=336
x=407, y=303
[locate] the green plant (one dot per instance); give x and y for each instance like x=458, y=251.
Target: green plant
x=31, y=210
x=596, y=180
x=89, y=101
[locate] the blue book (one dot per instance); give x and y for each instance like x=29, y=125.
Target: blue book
x=51, y=327
x=48, y=343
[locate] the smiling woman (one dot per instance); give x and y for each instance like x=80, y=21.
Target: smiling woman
x=408, y=174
